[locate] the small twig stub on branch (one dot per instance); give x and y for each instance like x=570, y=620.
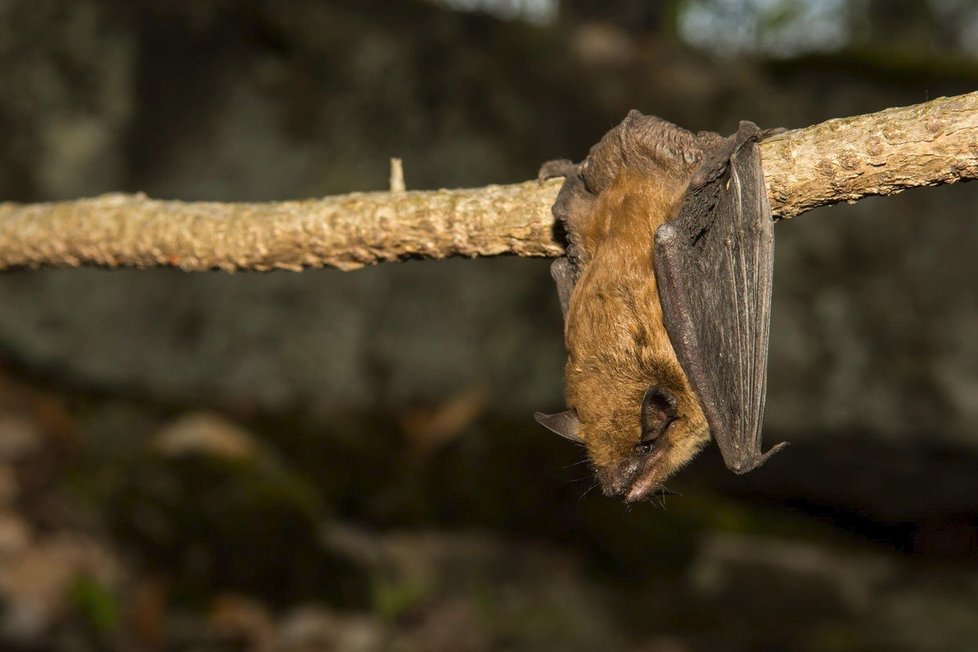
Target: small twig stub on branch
x=397, y=176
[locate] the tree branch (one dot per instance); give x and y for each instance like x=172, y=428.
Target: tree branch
x=838, y=160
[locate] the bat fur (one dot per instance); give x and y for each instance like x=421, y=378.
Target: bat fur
x=630, y=402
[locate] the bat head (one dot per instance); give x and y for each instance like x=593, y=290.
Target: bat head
x=638, y=429
x=636, y=449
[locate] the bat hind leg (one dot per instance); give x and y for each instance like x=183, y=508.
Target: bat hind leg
x=561, y=167
x=741, y=467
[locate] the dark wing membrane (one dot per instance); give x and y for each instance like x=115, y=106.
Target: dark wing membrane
x=562, y=272
x=714, y=266
x=572, y=206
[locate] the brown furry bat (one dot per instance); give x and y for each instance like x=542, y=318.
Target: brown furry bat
x=654, y=200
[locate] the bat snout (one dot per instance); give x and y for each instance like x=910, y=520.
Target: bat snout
x=636, y=477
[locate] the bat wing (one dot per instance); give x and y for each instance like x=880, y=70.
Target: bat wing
x=714, y=265
x=572, y=204
x=562, y=272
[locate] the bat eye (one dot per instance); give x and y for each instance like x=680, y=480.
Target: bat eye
x=648, y=438
x=658, y=413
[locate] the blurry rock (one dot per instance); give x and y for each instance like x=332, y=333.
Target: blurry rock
x=9, y=487
x=929, y=616
x=601, y=44
x=242, y=620
x=15, y=534
x=207, y=434
x=664, y=644
x=872, y=331
x=36, y=585
x=313, y=629
x=429, y=429
x=773, y=575
x=53, y=416
x=71, y=63
x=146, y=614
x=452, y=625
x=19, y=437
x=445, y=590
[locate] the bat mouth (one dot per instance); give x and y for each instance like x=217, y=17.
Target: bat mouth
x=647, y=479
x=636, y=478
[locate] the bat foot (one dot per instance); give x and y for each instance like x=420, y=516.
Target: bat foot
x=558, y=168
x=741, y=467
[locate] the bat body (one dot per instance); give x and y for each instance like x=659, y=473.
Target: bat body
x=666, y=297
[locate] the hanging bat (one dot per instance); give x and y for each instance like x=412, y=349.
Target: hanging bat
x=666, y=295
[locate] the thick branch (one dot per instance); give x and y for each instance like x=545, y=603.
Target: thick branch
x=839, y=160
x=876, y=154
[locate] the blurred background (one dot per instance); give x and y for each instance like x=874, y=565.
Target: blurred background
x=348, y=461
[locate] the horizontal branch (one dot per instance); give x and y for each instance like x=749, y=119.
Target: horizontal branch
x=838, y=160
x=875, y=154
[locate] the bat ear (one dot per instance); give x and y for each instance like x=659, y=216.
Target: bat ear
x=566, y=424
x=658, y=411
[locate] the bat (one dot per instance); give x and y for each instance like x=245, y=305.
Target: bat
x=666, y=296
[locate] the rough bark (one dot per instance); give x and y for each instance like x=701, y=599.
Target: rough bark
x=838, y=160
x=876, y=154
